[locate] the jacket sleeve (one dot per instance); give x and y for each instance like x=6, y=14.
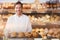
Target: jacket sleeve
x=29, y=26
x=7, y=27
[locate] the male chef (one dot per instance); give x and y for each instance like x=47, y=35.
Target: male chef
x=18, y=22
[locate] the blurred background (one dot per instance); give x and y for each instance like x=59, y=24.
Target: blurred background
x=43, y=14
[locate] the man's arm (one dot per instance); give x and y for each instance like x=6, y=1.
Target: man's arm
x=7, y=27
x=29, y=26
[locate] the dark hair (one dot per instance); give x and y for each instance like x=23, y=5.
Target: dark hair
x=18, y=2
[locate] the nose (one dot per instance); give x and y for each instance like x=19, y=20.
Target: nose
x=18, y=9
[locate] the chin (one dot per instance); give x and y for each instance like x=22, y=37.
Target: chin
x=18, y=13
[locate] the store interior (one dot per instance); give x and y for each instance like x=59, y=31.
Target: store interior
x=45, y=19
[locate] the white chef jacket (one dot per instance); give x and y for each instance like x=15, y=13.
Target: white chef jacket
x=18, y=24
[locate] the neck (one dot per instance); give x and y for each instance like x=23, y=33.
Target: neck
x=19, y=15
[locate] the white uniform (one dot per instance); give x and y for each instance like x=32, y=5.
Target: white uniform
x=18, y=24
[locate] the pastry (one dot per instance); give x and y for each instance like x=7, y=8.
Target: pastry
x=35, y=35
x=21, y=34
x=28, y=34
x=13, y=34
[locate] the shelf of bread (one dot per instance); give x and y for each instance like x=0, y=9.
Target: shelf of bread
x=44, y=33
x=41, y=8
x=37, y=33
x=44, y=20
x=40, y=21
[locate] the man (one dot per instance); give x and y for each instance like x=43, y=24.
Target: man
x=18, y=22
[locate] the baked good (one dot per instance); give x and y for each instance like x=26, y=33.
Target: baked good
x=20, y=34
x=33, y=30
x=35, y=34
x=41, y=30
x=37, y=30
x=13, y=34
x=28, y=34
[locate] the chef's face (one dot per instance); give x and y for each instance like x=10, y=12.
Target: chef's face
x=18, y=9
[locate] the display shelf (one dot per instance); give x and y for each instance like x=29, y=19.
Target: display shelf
x=34, y=13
